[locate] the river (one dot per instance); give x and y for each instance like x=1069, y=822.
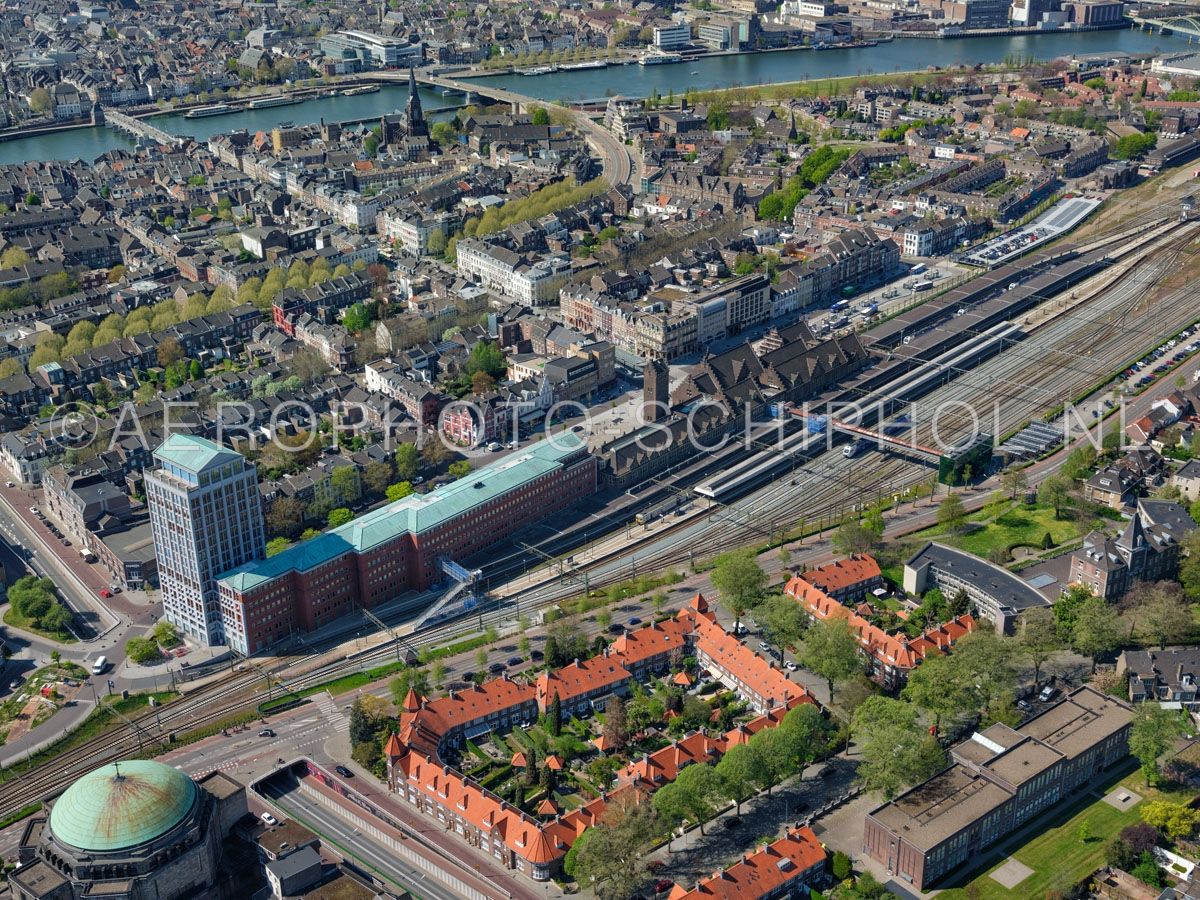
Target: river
x=711, y=72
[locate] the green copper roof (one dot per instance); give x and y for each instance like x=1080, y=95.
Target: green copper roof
x=122, y=805
x=193, y=453
x=415, y=514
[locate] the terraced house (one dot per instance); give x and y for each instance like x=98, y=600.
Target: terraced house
x=429, y=728
x=890, y=657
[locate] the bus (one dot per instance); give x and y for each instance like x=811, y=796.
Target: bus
x=917, y=269
x=839, y=306
x=922, y=285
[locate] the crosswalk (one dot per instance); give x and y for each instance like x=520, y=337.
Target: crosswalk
x=329, y=709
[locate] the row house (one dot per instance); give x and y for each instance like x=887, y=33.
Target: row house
x=536, y=849
x=1169, y=676
x=419, y=400
x=890, y=657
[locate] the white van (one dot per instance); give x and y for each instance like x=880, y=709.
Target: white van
x=100, y=665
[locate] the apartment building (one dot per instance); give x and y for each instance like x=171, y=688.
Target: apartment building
x=206, y=517
x=889, y=657
x=672, y=37
x=995, y=593
x=999, y=779
x=1147, y=550
x=419, y=400
x=525, y=279
x=535, y=848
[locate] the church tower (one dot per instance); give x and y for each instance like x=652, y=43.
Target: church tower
x=414, y=118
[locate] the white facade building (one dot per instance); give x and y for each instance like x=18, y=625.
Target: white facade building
x=206, y=518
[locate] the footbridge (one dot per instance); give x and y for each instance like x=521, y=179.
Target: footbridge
x=140, y=128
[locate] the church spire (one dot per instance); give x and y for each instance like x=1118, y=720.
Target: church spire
x=414, y=118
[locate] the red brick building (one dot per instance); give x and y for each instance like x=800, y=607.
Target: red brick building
x=401, y=546
x=534, y=848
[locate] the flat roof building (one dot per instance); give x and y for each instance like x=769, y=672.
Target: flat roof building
x=996, y=594
x=999, y=780
x=401, y=546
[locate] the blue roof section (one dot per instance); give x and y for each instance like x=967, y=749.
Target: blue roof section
x=195, y=454
x=415, y=514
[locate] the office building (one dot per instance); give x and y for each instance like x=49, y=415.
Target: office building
x=372, y=50
x=672, y=37
x=999, y=780
x=400, y=547
x=206, y=517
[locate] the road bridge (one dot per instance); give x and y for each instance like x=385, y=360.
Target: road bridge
x=620, y=165
x=1181, y=24
x=139, y=128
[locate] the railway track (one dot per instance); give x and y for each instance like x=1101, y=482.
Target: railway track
x=1087, y=344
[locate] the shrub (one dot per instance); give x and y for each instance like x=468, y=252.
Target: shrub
x=840, y=866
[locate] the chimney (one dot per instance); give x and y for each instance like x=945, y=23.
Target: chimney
x=1179, y=673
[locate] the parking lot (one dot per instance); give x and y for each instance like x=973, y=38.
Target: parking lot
x=1055, y=222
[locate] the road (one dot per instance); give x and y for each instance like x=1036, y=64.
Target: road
x=620, y=165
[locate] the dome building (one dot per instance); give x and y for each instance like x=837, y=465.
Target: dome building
x=133, y=830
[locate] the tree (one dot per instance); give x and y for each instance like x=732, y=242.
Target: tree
x=539, y=116
x=1163, y=613
x=773, y=758
x=49, y=348
x=938, y=686
x=740, y=770
x=285, y=517
x=277, y=545
x=555, y=715
x=13, y=257
x=142, y=650
x=1176, y=820
x=1055, y=492
x=57, y=618
x=831, y=650
x=408, y=462
x=951, y=514
x=1152, y=734
x=166, y=634
x=612, y=860
x=410, y=678
x=1038, y=638
x=398, y=491
x=783, y=619
x=616, y=728
x=339, y=517
x=169, y=351
x=1189, y=565
x=701, y=789
x=1097, y=629
x=10, y=367
x=740, y=581
x=360, y=726
x=896, y=752
x=1014, y=482
x=853, y=538
x=377, y=476
x=346, y=484
x=40, y=102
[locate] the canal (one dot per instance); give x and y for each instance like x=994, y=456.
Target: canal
x=711, y=72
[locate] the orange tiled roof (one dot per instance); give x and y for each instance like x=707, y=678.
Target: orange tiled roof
x=581, y=677
x=895, y=650
x=759, y=874
x=843, y=573
x=413, y=751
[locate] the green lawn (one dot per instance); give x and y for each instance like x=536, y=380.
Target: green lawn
x=1055, y=852
x=15, y=620
x=1018, y=525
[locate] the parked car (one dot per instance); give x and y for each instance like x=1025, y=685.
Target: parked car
x=267, y=732
x=105, y=593
x=732, y=822
x=1023, y=706
x=496, y=668
x=635, y=621
x=616, y=628
x=343, y=771
x=537, y=655
x=1048, y=693
x=270, y=819
x=663, y=885
x=790, y=666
